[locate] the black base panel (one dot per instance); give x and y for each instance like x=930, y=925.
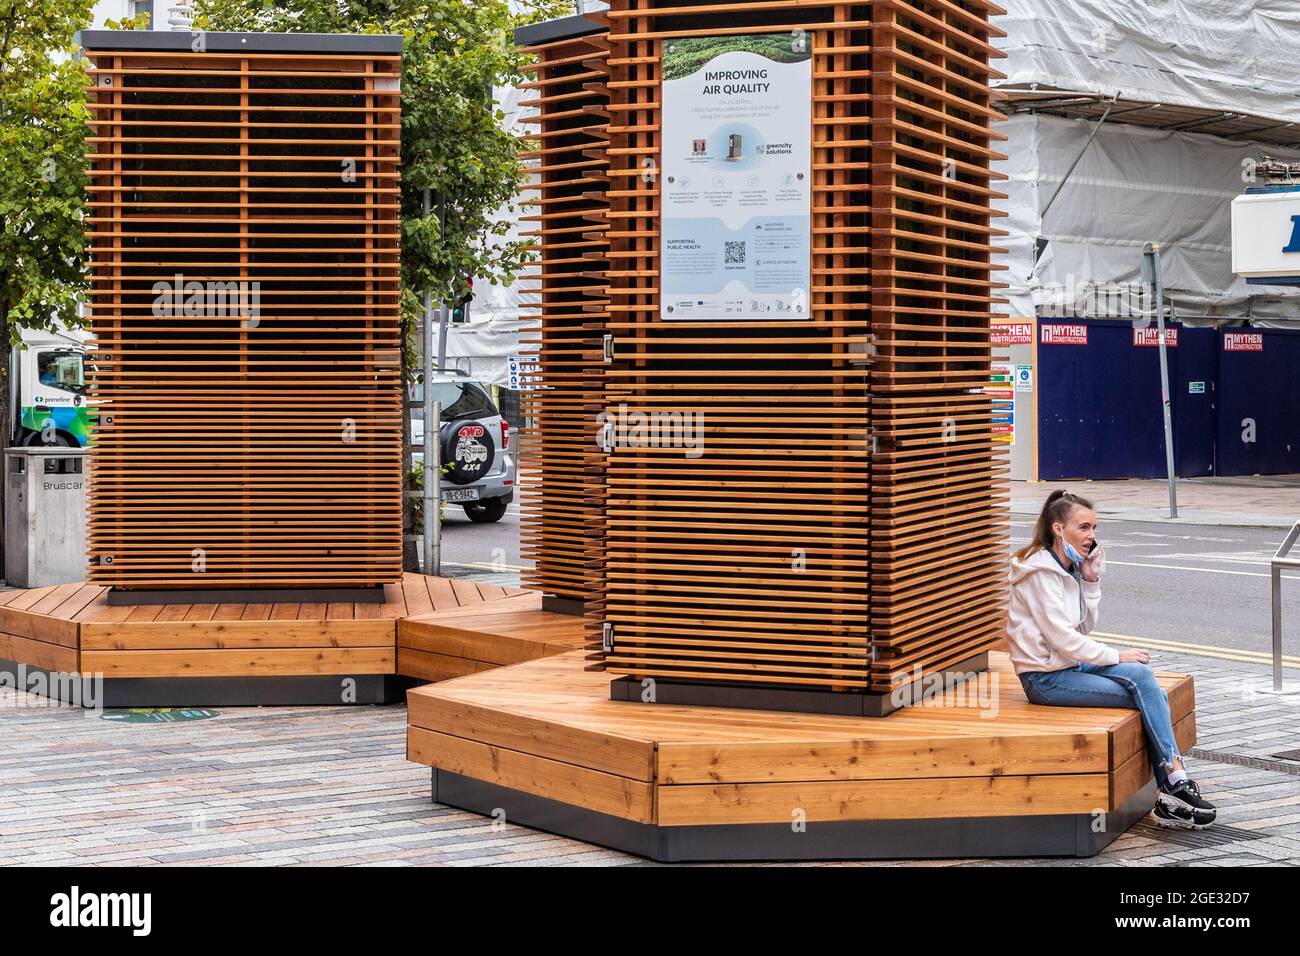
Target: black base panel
x=771, y=697
x=1070, y=834
x=119, y=597
x=563, y=605
x=314, y=690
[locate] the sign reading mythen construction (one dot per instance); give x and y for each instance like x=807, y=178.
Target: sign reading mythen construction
x=736, y=177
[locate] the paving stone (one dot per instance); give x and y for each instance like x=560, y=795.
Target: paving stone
x=320, y=786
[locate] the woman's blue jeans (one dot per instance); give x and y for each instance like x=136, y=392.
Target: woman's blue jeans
x=1116, y=685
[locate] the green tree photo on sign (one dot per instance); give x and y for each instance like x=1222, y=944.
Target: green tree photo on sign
x=684, y=56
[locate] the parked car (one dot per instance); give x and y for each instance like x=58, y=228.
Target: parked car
x=475, y=447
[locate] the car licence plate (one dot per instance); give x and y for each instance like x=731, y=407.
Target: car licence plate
x=460, y=494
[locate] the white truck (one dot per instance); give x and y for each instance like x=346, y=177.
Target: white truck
x=47, y=390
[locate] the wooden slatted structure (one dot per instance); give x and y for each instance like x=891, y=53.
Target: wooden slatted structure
x=846, y=521
x=940, y=515
x=244, y=242
x=561, y=463
x=748, y=562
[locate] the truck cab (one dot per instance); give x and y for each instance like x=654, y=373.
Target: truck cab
x=47, y=384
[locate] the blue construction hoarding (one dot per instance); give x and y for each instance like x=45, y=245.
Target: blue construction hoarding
x=1235, y=396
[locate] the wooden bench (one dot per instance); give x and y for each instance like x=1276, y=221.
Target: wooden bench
x=231, y=654
x=543, y=742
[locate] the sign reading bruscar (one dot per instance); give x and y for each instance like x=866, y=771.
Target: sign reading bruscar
x=736, y=177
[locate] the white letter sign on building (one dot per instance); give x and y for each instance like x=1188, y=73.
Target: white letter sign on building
x=1266, y=235
x=736, y=177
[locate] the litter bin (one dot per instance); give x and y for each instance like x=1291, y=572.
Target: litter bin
x=45, y=516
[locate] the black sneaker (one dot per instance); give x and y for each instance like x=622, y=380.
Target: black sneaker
x=1186, y=795
x=1179, y=818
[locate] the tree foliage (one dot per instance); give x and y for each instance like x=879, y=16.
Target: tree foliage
x=453, y=141
x=42, y=164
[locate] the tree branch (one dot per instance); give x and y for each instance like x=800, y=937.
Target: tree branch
x=10, y=19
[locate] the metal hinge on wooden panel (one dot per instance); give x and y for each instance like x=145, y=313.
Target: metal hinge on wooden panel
x=862, y=350
x=608, y=343
x=105, y=559
x=607, y=637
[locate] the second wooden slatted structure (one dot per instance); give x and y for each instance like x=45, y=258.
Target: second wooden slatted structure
x=843, y=522
x=940, y=506
x=562, y=465
x=744, y=558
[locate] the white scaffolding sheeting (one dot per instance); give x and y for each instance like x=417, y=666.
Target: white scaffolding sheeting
x=1233, y=55
x=1131, y=187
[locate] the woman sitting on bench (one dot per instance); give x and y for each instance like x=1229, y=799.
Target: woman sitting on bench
x=1055, y=591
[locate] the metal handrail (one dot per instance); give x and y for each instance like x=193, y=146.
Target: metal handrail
x=1280, y=561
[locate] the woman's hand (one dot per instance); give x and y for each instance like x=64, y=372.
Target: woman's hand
x=1091, y=568
x=1134, y=656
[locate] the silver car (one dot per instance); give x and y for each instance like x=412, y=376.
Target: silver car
x=475, y=443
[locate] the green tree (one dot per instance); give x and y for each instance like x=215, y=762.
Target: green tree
x=453, y=140
x=42, y=166
x=42, y=175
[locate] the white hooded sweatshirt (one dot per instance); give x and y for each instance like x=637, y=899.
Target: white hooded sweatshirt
x=1050, y=615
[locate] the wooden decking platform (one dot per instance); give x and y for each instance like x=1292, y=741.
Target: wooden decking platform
x=447, y=644
x=71, y=628
x=543, y=742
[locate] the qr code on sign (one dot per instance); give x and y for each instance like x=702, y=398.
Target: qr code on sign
x=734, y=252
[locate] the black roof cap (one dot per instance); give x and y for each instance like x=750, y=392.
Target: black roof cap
x=345, y=43
x=564, y=28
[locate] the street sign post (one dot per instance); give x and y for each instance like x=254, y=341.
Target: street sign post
x=1151, y=274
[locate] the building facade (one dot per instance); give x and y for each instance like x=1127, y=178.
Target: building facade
x=1128, y=126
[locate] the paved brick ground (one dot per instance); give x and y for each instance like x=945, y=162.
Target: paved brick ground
x=286, y=786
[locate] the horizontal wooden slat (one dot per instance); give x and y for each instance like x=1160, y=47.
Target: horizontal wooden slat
x=270, y=662
x=197, y=635
x=602, y=792
x=37, y=653
x=933, y=798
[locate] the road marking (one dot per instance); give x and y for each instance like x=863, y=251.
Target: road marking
x=1201, y=650
x=486, y=565
x=1177, y=644
x=1260, y=559
x=1177, y=537
x=1180, y=567
x=1109, y=543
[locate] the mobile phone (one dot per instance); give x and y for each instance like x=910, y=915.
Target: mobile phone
x=1095, y=542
